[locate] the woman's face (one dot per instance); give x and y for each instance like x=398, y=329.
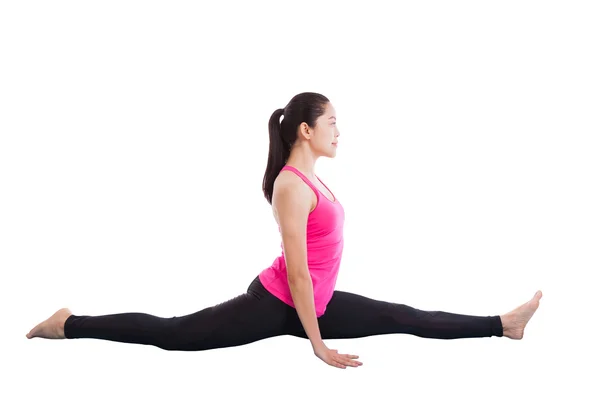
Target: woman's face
x=325, y=135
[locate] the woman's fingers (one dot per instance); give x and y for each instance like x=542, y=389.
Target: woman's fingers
x=347, y=359
x=351, y=358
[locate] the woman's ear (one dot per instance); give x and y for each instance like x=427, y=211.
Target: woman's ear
x=305, y=130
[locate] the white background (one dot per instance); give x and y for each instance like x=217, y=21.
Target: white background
x=133, y=146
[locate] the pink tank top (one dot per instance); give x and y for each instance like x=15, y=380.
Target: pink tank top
x=324, y=244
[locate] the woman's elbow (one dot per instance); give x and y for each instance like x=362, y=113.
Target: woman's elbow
x=297, y=276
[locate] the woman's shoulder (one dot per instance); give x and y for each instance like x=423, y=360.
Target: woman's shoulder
x=289, y=182
x=290, y=189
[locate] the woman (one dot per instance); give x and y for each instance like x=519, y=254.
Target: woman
x=295, y=295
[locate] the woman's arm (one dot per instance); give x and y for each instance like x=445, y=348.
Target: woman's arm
x=292, y=202
x=291, y=205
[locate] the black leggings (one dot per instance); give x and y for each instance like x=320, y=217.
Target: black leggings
x=257, y=315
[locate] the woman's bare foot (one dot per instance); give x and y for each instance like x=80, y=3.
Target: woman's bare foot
x=53, y=327
x=514, y=322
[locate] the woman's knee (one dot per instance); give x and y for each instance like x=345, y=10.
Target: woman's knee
x=169, y=336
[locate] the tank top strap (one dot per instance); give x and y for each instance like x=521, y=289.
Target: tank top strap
x=304, y=178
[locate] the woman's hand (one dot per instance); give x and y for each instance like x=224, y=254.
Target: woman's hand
x=333, y=358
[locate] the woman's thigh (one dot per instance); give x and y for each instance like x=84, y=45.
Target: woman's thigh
x=349, y=316
x=249, y=317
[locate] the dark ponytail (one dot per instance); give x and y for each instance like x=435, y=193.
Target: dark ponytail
x=304, y=107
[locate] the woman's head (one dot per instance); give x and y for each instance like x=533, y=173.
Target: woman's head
x=308, y=124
